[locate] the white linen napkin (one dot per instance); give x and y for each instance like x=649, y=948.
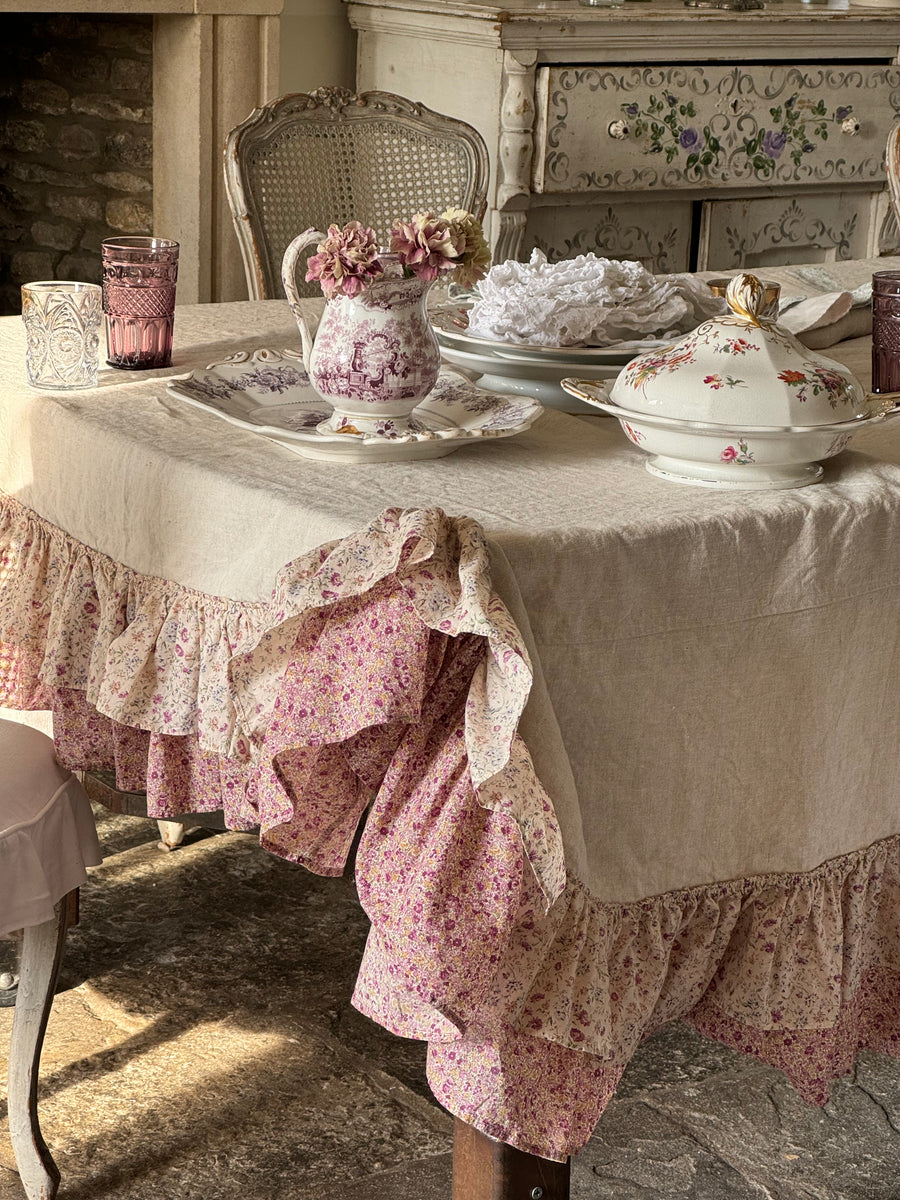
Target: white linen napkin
x=827, y=318
x=815, y=312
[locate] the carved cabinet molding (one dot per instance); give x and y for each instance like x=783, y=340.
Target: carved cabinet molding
x=685, y=138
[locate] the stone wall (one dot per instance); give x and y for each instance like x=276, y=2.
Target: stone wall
x=76, y=107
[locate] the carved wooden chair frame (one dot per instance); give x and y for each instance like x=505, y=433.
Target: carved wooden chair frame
x=268, y=128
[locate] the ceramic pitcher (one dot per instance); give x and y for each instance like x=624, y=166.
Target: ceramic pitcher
x=374, y=356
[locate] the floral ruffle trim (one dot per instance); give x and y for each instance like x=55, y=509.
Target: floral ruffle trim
x=799, y=970
x=384, y=675
x=546, y=1100
x=155, y=657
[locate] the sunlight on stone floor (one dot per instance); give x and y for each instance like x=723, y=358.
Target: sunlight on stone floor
x=204, y=1046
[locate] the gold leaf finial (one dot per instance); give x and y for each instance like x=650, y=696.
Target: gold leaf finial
x=746, y=297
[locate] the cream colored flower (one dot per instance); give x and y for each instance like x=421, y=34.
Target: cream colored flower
x=475, y=258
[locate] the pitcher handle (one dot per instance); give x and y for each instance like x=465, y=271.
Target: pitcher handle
x=288, y=280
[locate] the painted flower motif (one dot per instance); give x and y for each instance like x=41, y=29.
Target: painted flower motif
x=774, y=142
x=717, y=381
x=734, y=346
x=689, y=138
x=739, y=454
x=630, y=110
x=842, y=112
x=346, y=261
x=816, y=382
x=647, y=366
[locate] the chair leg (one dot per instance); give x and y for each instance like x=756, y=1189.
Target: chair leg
x=171, y=834
x=42, y=950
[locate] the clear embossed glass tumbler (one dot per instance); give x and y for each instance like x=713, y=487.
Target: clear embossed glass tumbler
x=886, y=331
x=62, y=333
x=139, y=275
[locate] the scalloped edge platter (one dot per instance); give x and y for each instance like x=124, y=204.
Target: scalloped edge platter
x=268, y=392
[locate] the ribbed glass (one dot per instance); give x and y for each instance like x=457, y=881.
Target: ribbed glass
x=139, y=276
x=886, y=331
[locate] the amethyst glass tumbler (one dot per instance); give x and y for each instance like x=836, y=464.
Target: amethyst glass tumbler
x=139, y=275
x=886, y=331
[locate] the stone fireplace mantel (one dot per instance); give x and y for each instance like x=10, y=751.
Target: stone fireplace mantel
x=213, y=62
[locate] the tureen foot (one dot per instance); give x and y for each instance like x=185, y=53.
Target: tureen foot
x=736, y=476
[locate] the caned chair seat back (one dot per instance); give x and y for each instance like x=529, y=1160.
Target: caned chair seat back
x=332, y=156
x=892, y=164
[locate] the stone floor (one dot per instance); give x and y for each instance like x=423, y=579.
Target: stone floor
x=203, y=1045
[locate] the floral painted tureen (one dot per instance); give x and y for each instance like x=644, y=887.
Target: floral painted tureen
x=739, y=402
x=740, y=369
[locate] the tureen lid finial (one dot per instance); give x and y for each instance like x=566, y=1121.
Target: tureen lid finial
x=746, y=297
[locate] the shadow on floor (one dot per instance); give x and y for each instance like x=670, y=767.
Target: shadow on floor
x=209, y=1049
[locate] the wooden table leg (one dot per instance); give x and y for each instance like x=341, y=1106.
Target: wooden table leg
x=484, y=1169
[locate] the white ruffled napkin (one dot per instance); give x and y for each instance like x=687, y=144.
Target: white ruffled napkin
x=586, y=301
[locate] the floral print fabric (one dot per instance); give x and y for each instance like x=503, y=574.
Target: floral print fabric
x=385, y=676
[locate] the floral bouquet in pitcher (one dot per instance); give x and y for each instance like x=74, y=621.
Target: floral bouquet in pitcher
x=375, y=356
x=425, y=247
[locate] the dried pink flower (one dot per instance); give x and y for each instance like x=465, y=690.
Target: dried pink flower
x=346, y=261
x=475, y=257
x=428, y=245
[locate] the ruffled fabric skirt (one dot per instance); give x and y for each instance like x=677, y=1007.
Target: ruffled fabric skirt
x=384, y=677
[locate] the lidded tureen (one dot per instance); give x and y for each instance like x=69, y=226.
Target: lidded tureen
x=740, y=369
x=739, y=402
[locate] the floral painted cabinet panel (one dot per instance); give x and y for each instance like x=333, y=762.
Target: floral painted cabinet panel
x=701, y=127
x=763, y=231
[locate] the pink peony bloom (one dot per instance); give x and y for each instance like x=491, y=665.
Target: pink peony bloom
x=729, y=454
x=427, y=245
x=346, y=261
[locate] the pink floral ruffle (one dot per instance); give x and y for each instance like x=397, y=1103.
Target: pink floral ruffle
x=384, y=675
x=165, y=682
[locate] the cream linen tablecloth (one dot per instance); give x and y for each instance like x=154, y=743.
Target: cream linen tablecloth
x=713, y=712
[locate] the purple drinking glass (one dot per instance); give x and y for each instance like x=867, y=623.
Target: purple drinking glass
x=139, y=275
x=886, y=331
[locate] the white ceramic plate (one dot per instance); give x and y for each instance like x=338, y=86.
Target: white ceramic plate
x=528, y=378
x=268, y=392
x=451, y=328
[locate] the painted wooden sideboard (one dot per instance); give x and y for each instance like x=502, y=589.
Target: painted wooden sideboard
x=686, y=138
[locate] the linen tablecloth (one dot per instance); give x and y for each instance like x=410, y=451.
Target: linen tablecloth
x=627, y=747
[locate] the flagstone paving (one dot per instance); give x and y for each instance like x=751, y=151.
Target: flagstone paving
x=203, y=1045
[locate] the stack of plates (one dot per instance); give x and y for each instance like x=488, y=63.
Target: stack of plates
x=528, y=370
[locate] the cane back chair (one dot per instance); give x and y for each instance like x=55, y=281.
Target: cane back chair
x=892, y=164
x=332, y=156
